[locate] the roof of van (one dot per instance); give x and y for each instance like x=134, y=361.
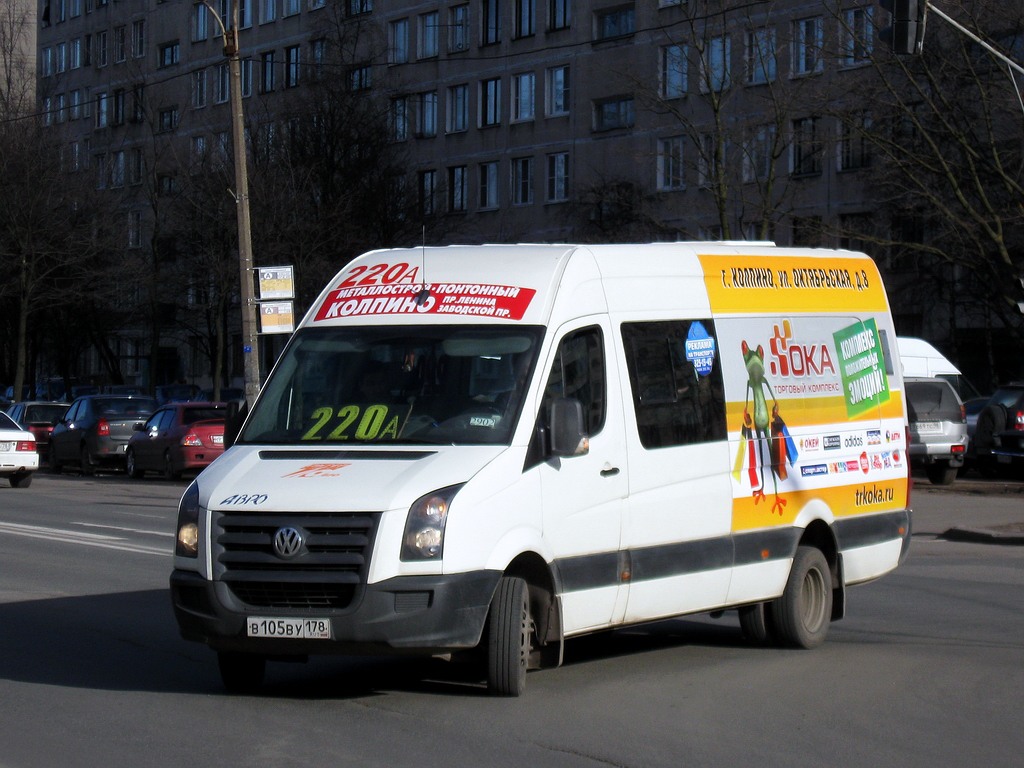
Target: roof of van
x=506, y=282
x=922, y=359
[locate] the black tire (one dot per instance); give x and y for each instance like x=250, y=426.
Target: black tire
x=509, y=629
x=169, y=471
x=940, y=473
x=131, y=467
x=801, y=617
x=88, y=470
x=241, y=672
x=756, y=623
x=55, y=466
x=21, y=480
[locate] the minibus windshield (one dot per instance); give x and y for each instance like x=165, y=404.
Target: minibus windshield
x=435, y=385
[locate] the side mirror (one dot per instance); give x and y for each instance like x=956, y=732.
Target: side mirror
x=568, y=432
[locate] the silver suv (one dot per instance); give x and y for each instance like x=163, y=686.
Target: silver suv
x=938, y=428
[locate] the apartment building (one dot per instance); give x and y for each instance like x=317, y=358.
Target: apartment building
x=521, y=120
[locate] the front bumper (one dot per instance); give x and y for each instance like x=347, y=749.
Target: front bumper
x=406, y=614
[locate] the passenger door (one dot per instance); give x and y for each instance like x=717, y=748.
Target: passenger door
x=584, y=496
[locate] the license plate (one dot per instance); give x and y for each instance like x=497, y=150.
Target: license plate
x=218, y=439
x=928, y=427
x=6, y=447
x=293, y=629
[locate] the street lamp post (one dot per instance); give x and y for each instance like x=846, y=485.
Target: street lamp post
x=250, y=348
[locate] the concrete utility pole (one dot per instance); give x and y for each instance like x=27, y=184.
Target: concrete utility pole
x=250, y=348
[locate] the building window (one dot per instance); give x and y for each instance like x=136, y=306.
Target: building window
x=458, y=108
x=168, y=119
x=244, y=13
x=101, y=49
x=426, y=114
x=488, y=185
x=854, y=149
x=61, y=57
x=522, y=181
x=856, y=35
x=59, y=107
x=138, y=39
x=670, y=163
x=556, y=102
x=268, y=11
x=360, y=78
x=100, y=114
x=758, y=152
x=267, y=72
x=75, y=156
x=526, y=18
x=359, y=7
x=490, y=102
x=491, y=22
x=99, y=162
x=198, y=151
x=117, y=169
x=711, y=160
x=616, y=22
x=522, y=96
x=246, y=72
x=807, y=42
x=399, y=119
x=806, y=147
x=223, y=92
x=120, y=44
x=134, y=229
x=458, y=28
x=135, y=166
x=117, y=107
x=613, y=113
x=458, y=189
x=429, y=45
x=75, y=104
x=715, y=65
x=673, y=71
x=317, y=57
x=759, y=56
x=290, y=7
x=558, y=177
x=199, y=89
x=293, y=64
x=75, y=53
x=558, y=14
x=200, y=22
x=427, y=191
x=398, y=42
x=170, y=54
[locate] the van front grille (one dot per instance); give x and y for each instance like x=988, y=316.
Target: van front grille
x=328, y=561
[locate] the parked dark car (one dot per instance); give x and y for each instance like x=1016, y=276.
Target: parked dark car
x=999, y=433
x=176, y=393
x=38, y=418
x=179, y=437
x=94, y=431
x=938, y=428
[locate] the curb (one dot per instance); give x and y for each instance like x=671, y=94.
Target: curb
x=1012, y=534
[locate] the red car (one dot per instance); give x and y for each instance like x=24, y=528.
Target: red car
x=177, y=438
x=38, y=418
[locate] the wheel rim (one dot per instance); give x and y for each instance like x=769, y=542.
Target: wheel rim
x=813, y=598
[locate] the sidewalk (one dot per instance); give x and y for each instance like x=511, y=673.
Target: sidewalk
x=972, y=484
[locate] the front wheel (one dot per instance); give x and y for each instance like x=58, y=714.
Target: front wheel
x=241, y=672
x=756, y=623
x=802, y=615
x=510, y=628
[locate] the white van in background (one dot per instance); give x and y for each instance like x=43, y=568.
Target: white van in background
x=481, y=451
x=923, y=361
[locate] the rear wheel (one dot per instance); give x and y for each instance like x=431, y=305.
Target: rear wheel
x=510, y=628
x=23, y=480
x=131, y=467
x=241, y=672
x=55, y=465
x=802, y=615
x=169, y=472
x=86, y=461
x=940, y=473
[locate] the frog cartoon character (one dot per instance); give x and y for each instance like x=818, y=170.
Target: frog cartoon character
x=765, y=435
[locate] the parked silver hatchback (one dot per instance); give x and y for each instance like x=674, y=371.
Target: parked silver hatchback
x=938, y=428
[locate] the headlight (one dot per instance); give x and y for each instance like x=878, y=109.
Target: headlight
x=424, y=527
x=187, y=541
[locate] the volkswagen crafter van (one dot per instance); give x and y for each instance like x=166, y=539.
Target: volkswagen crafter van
x=482, y=451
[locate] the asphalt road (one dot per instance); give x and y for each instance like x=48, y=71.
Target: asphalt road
x=925, y=670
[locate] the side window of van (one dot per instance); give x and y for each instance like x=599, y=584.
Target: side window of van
x=676, y=378
x=579, y=372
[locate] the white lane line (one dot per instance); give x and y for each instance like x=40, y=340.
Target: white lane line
x=79, y=537
x=167, y=534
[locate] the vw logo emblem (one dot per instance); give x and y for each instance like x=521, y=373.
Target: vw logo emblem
x=287, y=542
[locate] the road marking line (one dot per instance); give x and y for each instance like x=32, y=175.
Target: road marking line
x=78, y=537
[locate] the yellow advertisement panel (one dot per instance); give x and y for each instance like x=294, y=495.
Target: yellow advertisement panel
x=754, y=284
